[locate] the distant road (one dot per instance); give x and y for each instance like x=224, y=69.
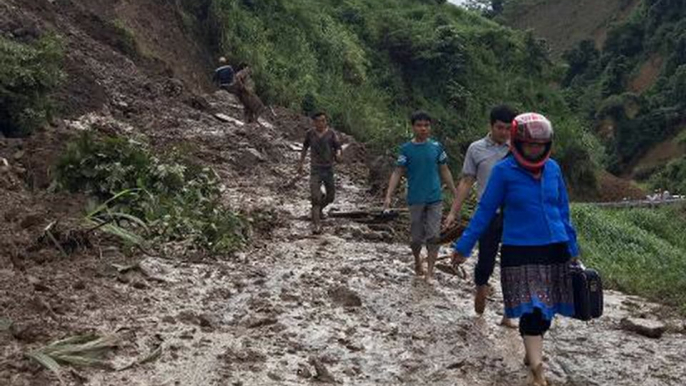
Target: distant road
x=641, y=203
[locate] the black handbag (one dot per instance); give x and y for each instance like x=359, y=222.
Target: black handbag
x=588, y=292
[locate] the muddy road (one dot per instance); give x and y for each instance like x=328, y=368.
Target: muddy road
x=292, y=309
x=339, y=308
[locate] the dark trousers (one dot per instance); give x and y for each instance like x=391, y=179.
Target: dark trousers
x=322, y=175
x=489, y=243
x=533, y=324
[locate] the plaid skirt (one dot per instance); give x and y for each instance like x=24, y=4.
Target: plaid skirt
x=536, y=277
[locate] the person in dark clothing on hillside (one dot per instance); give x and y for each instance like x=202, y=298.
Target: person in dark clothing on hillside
x=224, y=74
x=325, y=150
x=245, y=91
x=240, y=84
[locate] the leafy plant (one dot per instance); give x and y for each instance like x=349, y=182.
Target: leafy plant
x=29, y=73
x=82, y=350
x=149, y=198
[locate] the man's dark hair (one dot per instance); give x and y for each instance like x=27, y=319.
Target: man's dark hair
x=502, y=113
x=318, y=114
x=420, y=116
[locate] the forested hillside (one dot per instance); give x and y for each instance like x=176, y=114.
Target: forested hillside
x=629, y=84
x=369, y=64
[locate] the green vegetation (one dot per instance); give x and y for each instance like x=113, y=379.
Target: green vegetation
x=369, y=64
x=124, y=38
x=82, y=350
x=28, y=74
x=672, y=177
x=597, y=80
x=160, y=199
x=638, y=251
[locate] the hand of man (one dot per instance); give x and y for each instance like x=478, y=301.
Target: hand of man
x=449, y=221
x=387, y=204
x=457, y=259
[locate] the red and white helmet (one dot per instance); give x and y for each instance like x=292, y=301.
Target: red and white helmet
x=531, y=128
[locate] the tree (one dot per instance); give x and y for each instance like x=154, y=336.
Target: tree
x=488, y=8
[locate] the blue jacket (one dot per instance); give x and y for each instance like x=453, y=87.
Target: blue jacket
x=535, y=211
x=224, y=75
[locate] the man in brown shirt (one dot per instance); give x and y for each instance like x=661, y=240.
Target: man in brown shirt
x=324, y=151
x=244, y=89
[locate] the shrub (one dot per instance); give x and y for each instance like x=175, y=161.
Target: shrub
x=638, y=251
x=28, y=74
x=176, y=199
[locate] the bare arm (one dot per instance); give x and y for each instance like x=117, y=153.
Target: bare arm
x=303, y=153
x=447, y=177
x=463, y=189
x=393, y=185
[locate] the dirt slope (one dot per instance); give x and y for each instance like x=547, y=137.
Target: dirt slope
x=563, y=24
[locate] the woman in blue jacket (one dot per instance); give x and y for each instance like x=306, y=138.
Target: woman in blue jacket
x=539, y=242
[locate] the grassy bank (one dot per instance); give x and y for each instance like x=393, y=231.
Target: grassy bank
x=638, y=251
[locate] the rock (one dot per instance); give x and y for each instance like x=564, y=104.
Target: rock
x=345, y=297
x=198, y=102
x=123, y=279
x=645, y=327
x=322, y=374
x=206, y=321
x=30, y=221
x=139, y=284
x=169, y=319
x=28, y=333
x=251, y=156
x=228, y=119
x=273, y=376
x=373, y=236
x=173, y=87
x=304, y=372
x=255, y=323
x=187, y=335
x=265, y=124
x=79, y=285
x=37, y=284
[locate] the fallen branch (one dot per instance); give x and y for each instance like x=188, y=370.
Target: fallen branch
x=451, y=234
x=48, y=232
